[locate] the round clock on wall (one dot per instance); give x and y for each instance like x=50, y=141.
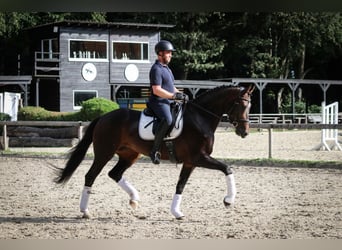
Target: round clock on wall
x=89, y=72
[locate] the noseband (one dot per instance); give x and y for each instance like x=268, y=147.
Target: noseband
x=235, y=122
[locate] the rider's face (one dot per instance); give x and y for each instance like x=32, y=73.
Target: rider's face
x=165, y=56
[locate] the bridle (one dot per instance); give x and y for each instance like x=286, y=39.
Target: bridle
x=235, y=122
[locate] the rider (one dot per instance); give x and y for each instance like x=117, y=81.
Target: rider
x=163, y=92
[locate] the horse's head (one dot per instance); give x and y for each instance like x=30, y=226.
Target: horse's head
x=239, y=112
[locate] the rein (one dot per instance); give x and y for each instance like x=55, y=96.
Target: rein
x=205, y=110
x=228, y=113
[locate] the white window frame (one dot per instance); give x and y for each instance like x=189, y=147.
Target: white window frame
x=78, y=107
x=89, y=58
x=127, y=60
x=50, y=52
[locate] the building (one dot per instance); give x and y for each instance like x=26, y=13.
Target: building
x=73, y=61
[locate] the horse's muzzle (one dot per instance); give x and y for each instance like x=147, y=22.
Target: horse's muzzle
x=241, y=132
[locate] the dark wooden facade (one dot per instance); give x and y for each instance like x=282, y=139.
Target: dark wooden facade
x=73, y=61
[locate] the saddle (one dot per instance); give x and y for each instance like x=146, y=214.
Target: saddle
x=148, y=122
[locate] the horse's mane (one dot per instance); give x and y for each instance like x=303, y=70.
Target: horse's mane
x=208, y=94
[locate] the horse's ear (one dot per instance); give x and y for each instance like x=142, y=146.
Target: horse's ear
x=251, y=88
x=248, y=89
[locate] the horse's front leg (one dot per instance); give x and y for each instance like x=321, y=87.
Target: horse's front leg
x=177, y=198
x=207, y=161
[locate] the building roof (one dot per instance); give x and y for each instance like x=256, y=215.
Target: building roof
x=12, y=79
x=79, y=23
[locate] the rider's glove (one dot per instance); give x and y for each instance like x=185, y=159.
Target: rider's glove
x=181, y=96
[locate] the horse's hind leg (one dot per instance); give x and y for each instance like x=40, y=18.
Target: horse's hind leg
x=126, y=159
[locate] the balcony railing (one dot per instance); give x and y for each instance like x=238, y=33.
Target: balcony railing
x=46, y=64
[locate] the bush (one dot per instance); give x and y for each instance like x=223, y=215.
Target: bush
x=5, y=117
x=314, y=109
x=96, y=107
x=299, y=107
x=91, y=109
x=30, y=113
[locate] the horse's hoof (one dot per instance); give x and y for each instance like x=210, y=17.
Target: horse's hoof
x=86, y=216
x=180, y=218
x=133, y=203
x=227, y=204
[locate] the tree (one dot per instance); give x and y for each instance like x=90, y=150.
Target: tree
x=199, y=49
x=278, y=45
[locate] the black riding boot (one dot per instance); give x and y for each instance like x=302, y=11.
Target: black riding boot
x=159, y=136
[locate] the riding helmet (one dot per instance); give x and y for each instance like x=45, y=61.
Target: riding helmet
x=164, y=45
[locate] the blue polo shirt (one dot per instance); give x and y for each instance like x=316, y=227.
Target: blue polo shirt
x=161, y=75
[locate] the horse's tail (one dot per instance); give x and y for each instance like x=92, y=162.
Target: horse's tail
x=76, y=155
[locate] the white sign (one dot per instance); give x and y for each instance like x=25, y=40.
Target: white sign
x=131, y=72
x=89, y=72
x=11, y=104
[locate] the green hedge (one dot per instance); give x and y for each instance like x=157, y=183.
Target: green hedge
x=95, y=107
x=5, y=117
x=91, y=109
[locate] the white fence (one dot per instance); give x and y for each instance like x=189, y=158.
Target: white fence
x=330, y=136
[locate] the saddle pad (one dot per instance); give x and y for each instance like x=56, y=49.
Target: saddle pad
x=146, y=124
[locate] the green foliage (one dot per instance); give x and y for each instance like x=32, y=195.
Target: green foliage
x=5, y=117
x=91, y=109
x=30, y=113
x=300, y=107
x=95, y=107
x=287, y=107
x=314, y=109
x=198, y=47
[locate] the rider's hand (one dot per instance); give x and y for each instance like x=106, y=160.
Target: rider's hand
x=181, y=96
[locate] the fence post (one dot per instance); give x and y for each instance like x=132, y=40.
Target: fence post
x=80, y=131
x=270, y=142
x=5, y=137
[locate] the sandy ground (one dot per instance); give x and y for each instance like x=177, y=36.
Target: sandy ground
x=286, y=145
x=272, y=202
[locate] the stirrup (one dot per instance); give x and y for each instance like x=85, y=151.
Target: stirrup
x=155, y=157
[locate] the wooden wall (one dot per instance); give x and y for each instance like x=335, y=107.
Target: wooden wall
x=108, y=72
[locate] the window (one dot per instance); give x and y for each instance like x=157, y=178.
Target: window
x=49, y=49
x=83, y=95
x=85, y=50
x=130, y=51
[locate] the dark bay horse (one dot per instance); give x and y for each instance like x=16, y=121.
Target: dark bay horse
x=117, y=133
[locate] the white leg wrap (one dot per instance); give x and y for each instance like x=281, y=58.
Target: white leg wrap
x=175, y=206
x=129, y=189
x=85, y=199
x=231, y=189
